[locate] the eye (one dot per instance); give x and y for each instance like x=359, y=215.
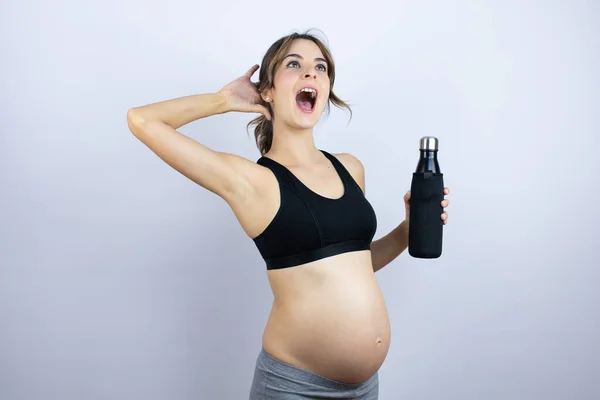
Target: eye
x=320, y=67
x=323, y=66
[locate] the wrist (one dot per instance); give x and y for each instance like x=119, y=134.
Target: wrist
x=402, y=232
x=221, y=103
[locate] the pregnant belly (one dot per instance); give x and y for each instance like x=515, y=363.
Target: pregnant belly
x=329, y=318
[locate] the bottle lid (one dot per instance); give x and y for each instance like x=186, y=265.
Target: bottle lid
x=429, y=143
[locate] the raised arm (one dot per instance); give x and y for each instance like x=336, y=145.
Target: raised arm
x=227, y=175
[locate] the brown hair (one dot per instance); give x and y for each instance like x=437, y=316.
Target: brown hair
x=263, y=132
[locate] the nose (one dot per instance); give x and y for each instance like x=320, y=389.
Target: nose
x=310, y=74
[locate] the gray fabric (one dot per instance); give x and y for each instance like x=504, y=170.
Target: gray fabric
x=276, y=380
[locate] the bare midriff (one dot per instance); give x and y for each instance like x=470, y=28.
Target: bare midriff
x=329, y=317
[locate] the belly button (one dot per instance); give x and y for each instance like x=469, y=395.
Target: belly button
x=378, y=342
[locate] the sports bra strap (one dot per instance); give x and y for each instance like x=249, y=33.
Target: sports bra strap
x=287, y=178
x=283, y=175
x=343, y=172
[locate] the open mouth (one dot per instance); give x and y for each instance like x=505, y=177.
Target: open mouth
x=306, y=99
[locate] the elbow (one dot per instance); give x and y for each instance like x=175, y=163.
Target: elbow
x=135, y=121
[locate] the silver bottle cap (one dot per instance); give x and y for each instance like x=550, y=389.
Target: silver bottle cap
x=429, y=143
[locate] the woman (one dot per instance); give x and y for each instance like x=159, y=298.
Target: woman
x=328, y=332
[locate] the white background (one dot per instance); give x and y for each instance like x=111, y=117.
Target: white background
x=121, y=279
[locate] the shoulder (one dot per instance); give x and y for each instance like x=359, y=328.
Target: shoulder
x=354, y=166
x=351, y=162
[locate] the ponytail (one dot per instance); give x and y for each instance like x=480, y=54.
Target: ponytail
x=263, y=132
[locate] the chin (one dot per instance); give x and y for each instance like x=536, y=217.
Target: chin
x=306, y=120
x=305, y=123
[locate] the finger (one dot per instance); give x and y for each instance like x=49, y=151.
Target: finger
x=251, y=71
x=407, y=196
x=446, y=190
x=444, y=217
x=263, y=110
x=445, y=203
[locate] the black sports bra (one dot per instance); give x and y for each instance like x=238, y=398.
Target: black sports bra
x=308, y=226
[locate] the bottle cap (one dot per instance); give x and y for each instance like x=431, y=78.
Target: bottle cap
x=429, y=143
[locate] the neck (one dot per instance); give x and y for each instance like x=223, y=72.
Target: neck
x=294, y=146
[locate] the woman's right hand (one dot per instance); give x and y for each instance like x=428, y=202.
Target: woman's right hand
x=243, y=96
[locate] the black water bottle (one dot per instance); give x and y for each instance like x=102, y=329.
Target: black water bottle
x=427, y=192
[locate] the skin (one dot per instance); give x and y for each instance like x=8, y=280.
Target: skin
x=328, y=316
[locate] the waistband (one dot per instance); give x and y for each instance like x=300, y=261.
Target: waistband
x=280, y=367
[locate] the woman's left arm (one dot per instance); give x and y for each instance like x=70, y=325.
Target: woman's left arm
x=385, y=249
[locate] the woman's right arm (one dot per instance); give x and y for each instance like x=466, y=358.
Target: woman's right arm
x=227, y=175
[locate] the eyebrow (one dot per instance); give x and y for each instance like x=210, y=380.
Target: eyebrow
x=302, y=58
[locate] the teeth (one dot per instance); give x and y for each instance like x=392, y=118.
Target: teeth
x=313, y=92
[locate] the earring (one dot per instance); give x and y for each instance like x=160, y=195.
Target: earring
x=267, y=99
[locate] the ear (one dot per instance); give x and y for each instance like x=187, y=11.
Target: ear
x=266, y=96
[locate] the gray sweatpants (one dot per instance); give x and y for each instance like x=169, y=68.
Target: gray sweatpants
x=276, y=380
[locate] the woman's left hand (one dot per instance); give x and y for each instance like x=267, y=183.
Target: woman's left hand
x=445, y=204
